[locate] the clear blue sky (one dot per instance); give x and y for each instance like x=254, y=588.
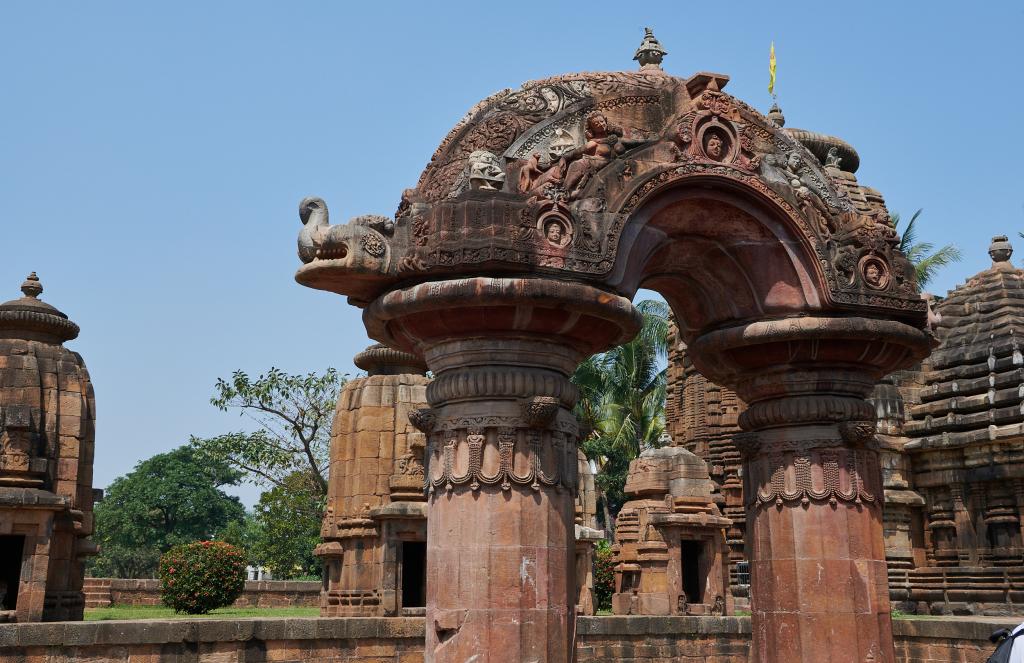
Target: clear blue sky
x=152, y=155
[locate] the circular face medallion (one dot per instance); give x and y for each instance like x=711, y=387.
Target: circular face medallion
x=555, y=228
x=874, y=272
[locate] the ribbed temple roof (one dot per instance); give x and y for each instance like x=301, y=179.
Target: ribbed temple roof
x=974, y=390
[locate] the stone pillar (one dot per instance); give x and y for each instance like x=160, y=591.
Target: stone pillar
x=501, y=459
x=812, y=484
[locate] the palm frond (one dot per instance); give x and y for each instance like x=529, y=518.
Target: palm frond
x=922, y=255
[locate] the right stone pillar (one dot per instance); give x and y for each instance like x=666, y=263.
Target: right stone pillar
x=812, y=481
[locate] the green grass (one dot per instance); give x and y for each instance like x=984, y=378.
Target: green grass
x=162, y=612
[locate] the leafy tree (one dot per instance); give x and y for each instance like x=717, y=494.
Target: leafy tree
x=169, y=499
x=622, y=403
x=288, y=453
x=285, y=528
x=925, y=258
x=293, y=413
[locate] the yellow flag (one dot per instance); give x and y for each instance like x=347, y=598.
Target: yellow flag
x=771, y=70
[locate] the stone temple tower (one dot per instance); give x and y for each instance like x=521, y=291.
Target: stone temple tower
x=47, y=417
x=374, y=531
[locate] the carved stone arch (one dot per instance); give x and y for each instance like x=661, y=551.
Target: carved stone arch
x=785, y=290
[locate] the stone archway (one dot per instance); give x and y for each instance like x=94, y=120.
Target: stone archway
x=516, y=256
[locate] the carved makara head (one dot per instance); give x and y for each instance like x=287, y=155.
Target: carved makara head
x=485, y=171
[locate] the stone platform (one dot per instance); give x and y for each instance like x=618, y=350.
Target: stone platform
x=632, y=639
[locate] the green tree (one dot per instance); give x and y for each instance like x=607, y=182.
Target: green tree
x=171, y=498
x=286, y=528
x=622, y=403
x=293, y=416
x=288, y=453
x=926, y=259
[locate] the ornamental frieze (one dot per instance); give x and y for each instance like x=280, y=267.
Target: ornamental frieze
x=502, y=456
x=840, y=474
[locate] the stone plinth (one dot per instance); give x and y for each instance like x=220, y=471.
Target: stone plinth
x=390, y=640
x=47, y=415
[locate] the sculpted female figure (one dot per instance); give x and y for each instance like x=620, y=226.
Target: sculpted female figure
x=601, y=147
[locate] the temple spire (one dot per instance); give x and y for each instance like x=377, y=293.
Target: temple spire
x=650, y=53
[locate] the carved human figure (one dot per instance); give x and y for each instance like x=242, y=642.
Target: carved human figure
x=485, y=171
x=873, y=274
x=832, y=159
x=540, y=172
x=715, y=147
x=554, y=232
x=601, y=147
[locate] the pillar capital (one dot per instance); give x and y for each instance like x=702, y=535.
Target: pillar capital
x=434, y=320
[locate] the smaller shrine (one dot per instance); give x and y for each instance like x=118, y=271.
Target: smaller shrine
x=375, y=529
x=671, y=556
x=47, y=436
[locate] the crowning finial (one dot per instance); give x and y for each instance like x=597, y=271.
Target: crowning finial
x=1000, y=249
x=32, y=287
x=775, y=115
x=650, y=53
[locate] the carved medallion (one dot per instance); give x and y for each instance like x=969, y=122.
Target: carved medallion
x=874, y=272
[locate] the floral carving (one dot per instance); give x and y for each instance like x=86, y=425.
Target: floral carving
x=374, y=244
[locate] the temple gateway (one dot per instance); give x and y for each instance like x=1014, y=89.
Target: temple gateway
x=517, y=255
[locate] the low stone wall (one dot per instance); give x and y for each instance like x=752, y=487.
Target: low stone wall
x=400, y=640
x=102, y=592
x=655, y=639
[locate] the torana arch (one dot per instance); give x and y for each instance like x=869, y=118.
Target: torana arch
x=517, y=255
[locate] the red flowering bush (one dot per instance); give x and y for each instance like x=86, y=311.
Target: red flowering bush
x=604, y=576
x=196, y=578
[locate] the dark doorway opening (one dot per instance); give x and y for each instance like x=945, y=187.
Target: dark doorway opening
x=691, y=552
x=11, y=549
x=414, y=574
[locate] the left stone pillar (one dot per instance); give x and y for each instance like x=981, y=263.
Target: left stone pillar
x=501, y=460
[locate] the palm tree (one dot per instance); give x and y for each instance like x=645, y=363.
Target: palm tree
x=920, y=254
x=622, y=403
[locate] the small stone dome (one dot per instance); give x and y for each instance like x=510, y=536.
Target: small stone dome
x=29, y=318
x=379, y=359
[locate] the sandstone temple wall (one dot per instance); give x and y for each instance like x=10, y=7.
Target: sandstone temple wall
x=105, y=592
x=400, y=640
